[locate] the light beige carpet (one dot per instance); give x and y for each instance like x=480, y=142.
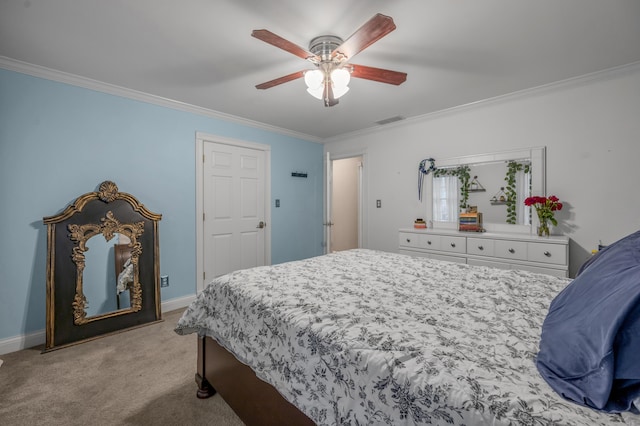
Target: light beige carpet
x=142, y=376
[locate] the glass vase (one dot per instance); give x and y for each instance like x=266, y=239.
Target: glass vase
x=543, y=229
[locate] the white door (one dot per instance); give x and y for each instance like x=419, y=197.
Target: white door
x=233, y=208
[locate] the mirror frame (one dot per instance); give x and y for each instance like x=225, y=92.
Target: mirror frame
x=537, y=157
x=104, y=212
x=107, y=227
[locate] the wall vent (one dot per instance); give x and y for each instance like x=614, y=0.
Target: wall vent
x=390, y=120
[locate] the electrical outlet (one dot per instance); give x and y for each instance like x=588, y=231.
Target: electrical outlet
x=277, y=203
x=164, y=281
x=378, y=203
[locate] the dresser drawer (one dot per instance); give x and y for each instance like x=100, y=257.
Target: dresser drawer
x=508, y=249
x=431, y=242
x=480, y=246
x=421, y=241
x=453, y=244
x=407, y=239
x=547, y=253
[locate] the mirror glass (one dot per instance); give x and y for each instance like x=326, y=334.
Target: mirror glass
x=497, y=185
x=100, y=281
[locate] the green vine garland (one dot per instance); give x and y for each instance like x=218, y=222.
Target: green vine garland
x=462, y=173
x=512, y=168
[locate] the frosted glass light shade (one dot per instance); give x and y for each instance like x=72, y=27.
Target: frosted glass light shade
x=339, y=91
x=340, y=77
x=317, y=92
x=314, y=79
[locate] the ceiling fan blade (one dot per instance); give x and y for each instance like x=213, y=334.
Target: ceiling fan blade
x=373, y=30
x=378, y=74
x=280, y=80
x=277, y=41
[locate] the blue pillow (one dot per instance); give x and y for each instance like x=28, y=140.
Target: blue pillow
x=590, y=343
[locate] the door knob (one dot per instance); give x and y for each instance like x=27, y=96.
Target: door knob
x=261, y=225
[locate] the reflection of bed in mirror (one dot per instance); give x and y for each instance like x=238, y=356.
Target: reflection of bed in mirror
x=92, y=234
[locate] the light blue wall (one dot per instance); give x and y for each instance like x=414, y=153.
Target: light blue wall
x=59, y=141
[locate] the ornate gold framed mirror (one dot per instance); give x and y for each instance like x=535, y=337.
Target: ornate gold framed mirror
x=86, y=295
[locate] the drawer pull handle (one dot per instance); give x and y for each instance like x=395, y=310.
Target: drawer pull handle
x=511, y=251
x=546, y=253
x=429, y=242
x=408, y=240
x=453, y=244
x=480, y=248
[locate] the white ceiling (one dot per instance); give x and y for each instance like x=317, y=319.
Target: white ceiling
x=201, y=52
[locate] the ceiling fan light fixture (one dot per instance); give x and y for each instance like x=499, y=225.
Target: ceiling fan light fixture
x=317, y=92
x=314, y=79
x=340, y=78
x=339, y=91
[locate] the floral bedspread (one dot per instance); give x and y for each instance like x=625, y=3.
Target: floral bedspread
x=365, y=337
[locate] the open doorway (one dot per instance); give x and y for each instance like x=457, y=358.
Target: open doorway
x=346, y=204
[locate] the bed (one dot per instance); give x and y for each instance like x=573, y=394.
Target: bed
x=369, y=337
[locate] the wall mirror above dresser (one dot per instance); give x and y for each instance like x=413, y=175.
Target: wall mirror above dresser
x=102, y=267
x=497, y=184
x=505, y=245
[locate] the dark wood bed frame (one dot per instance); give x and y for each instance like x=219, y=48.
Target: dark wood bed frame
x=255, y=401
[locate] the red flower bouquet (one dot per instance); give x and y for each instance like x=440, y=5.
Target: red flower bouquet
x=545, y=208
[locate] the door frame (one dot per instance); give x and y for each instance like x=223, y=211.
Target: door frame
x=201, y=138
x=363, y=211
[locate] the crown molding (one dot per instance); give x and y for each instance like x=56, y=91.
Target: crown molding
x=87, y=83
x=545, y=88
x=111, y=89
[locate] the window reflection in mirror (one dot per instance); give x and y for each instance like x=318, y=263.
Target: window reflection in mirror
x=446, y=198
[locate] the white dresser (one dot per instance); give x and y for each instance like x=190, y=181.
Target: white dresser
x=546, y=255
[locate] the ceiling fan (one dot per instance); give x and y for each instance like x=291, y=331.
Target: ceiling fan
x=331, y=56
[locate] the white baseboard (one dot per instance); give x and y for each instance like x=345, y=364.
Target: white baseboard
x=24, y=341
x=177, y=303
x=17, y=343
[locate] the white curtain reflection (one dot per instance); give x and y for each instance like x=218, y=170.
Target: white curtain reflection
x=445, y=199
x=523, y=190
